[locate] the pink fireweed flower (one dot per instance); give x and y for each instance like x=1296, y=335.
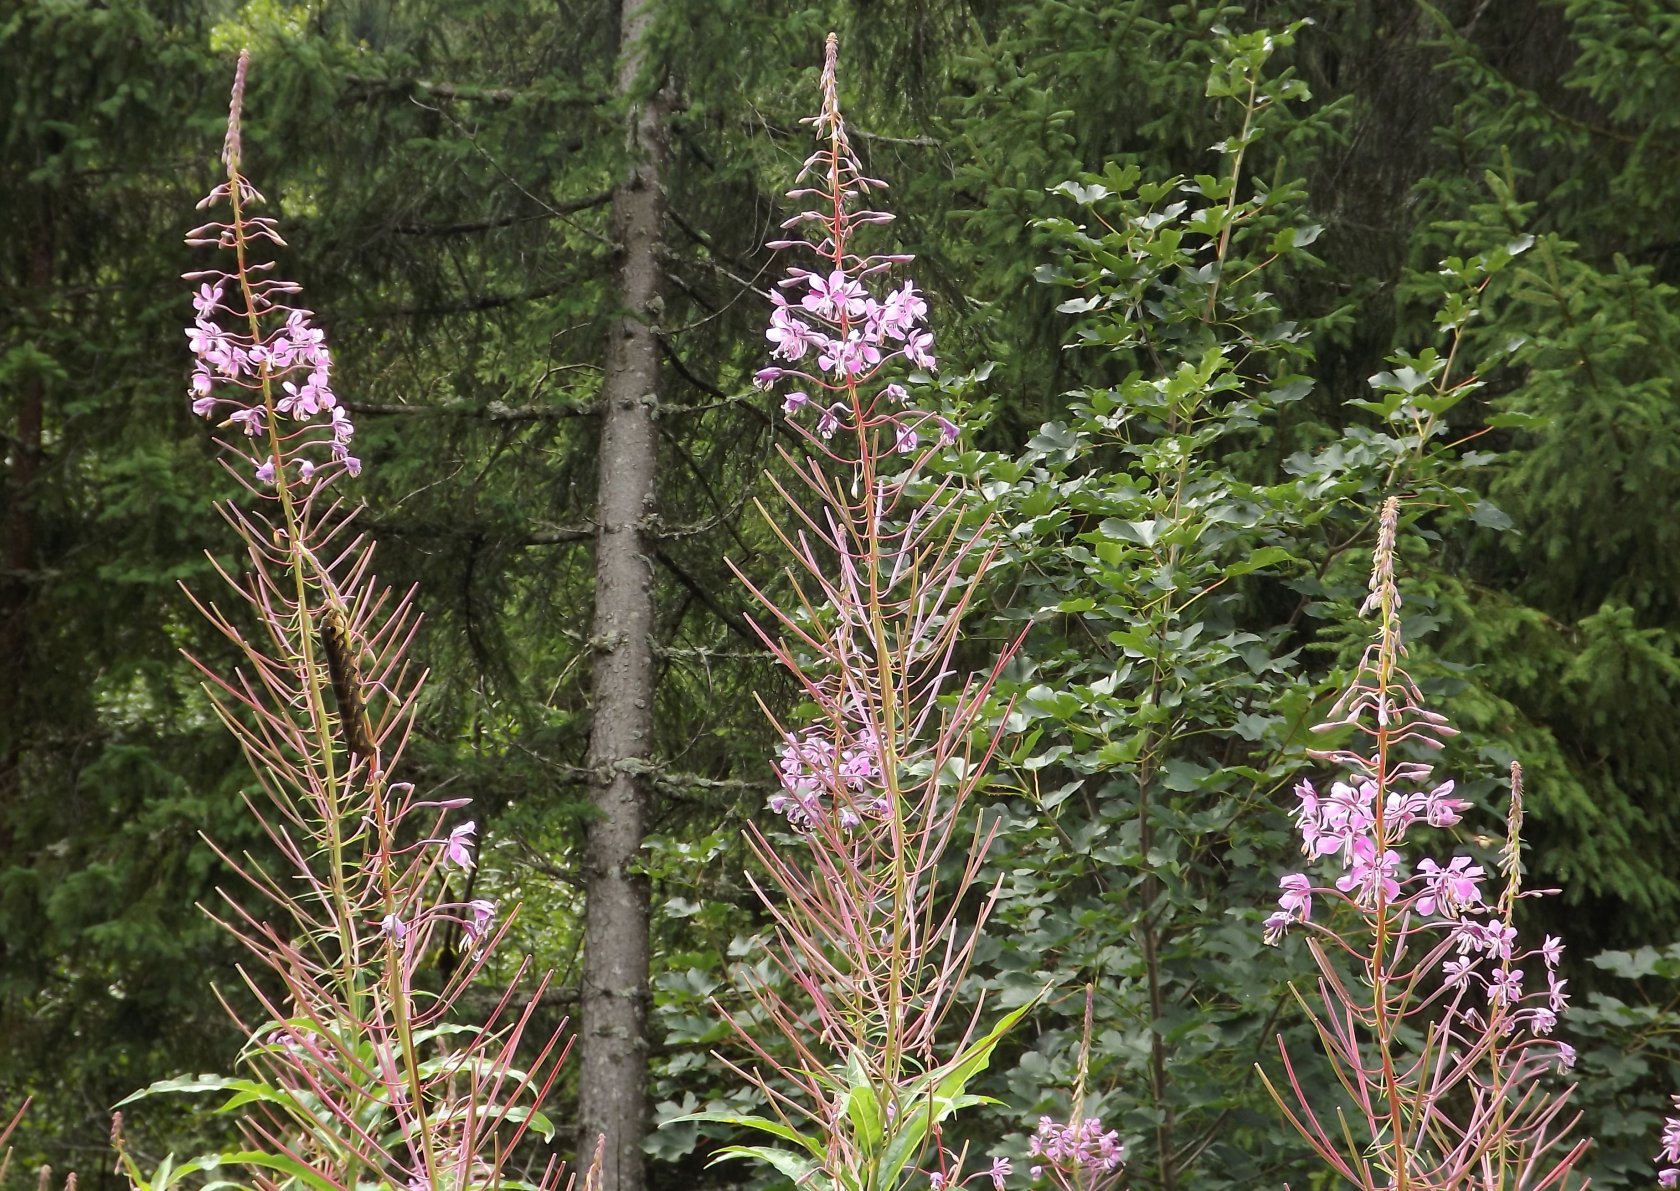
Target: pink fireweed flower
x=457, y=849
x=1499, y=939
x=791, y=336
x=918, y=349
x=1296, y=900
x=897, y=317
x=1331, y=825
x=295, y=1040
x=1468, y=936
x=1002, y=1168
x=850, y=357
x=1449, y=890
x=819, y=780
x=1440, y=808
x=1367, y=874
x=394, y=929
x=480, y=914
x=340, y=454
x=207, y=300
x=834, y=295
x=1400, y=811
x=1294, y=905
x=829, y=424
x=1307, y=815
x=1552, y=951
x=1505, y=986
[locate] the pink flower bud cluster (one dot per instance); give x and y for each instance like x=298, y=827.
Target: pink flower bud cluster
x=839, y=340
x=1076, y=1157
x=819, y=780
x=259, y=364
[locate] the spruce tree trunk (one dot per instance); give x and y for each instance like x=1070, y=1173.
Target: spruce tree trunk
x=612, y=1038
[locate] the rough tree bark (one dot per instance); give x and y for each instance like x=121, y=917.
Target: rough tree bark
x=612, y=1039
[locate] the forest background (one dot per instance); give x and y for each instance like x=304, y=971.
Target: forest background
x=454, y=178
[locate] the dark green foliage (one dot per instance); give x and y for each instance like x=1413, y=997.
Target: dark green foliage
x=1180, y=548
x=109, y=760
x=1189, y=513
x=1573, y=617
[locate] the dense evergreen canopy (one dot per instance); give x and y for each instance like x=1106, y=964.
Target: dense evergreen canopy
x=1470, y=204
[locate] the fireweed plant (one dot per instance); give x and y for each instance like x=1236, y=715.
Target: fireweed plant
x=871, y=883
x=1435, y=1019
x=357, y=1074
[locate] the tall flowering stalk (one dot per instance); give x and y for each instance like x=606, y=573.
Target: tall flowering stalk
x=356, y=1073
x=1435, y=1018
x=874, y=889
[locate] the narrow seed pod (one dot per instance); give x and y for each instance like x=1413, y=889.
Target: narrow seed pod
x=340, y=650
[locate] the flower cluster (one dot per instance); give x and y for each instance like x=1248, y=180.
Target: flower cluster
x=854, y=339
x=853, y=333
x=1076, y=1156
x=1669, y=1176
x=819, y=779
x=267, y=371
x=235, y=374
x=1345, y=824
x=837, y=338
